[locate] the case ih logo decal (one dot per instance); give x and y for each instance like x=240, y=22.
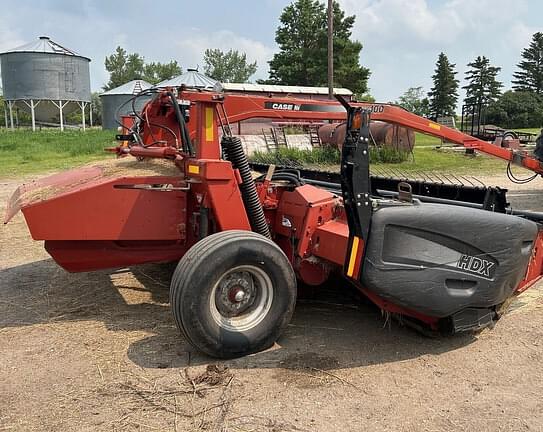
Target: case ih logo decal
x=279, y=106
x=286, y=107
x=375, y=109
x=283, y=106
x=475, y=265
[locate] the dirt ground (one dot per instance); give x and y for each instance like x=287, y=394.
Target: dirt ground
x=100, y=351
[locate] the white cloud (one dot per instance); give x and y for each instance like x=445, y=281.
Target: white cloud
x=403, y=37
x=389, y=20
x=9, y=38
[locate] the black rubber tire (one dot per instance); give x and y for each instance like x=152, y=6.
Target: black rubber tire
x=509, y=134
x=198, y=272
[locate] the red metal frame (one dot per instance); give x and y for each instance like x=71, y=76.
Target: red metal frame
x=241, y=107
x=125, y=226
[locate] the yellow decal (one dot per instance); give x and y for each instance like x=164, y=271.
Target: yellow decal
x=352, y=259
x=194, y=169
x=209, y=124
x=434, y=126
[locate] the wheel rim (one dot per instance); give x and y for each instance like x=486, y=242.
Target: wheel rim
x=241, y=298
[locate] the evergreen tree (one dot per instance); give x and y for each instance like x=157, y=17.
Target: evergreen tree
x=444, y=94
x=482, y=87
x=302, y=39
x=530, y=74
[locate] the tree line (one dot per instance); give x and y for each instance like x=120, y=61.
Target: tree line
x=302, y=61
x=520, y=107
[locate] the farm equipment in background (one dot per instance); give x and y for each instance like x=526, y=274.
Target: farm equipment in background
x=474, y=123
x=444, y=257
x=382, y=134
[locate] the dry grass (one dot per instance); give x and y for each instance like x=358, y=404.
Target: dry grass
x=110, y=168
x=131, y=167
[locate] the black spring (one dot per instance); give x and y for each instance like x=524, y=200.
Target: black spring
x=233, y=151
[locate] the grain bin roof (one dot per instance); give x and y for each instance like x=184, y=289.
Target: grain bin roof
x=130, y=88
x=267, y=88
x=191, y=78
x=44, y=45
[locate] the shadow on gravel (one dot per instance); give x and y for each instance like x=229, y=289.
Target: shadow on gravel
x=331, y=329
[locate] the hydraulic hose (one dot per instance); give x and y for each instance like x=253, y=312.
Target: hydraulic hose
x=187, y=144
x=285, y=176
x=233, y=151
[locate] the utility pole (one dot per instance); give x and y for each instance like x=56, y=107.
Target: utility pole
x=331, y=49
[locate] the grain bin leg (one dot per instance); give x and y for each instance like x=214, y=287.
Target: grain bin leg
x=10, y=105
x=83, y=105
x=6, y=114
x=33, y=114
x=60, y=106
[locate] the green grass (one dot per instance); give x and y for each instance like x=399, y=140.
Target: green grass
x=25, y=152
x=425, y=157
x=422, y=140
x=297, y=157
x=530, y=130
x=323, y=156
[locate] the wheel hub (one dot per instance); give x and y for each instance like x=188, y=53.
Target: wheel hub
x=235, y=294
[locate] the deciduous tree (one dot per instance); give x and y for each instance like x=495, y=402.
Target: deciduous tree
x=157, y=72
x=229, y=66
x=124, y=67
x=517, y=109
x=414, y=100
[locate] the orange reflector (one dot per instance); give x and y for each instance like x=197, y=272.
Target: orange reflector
x=352, y=259
x=357, y=120
x=209, y=124
x=194, y=169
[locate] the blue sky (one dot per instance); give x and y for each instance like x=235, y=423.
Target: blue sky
x=401, y=38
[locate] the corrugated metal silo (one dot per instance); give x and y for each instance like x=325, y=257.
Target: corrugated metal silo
x=45, y=79
x=115, y=102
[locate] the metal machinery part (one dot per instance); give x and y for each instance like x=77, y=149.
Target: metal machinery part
x=321, y=221
x=241, y=299
x=234, y=152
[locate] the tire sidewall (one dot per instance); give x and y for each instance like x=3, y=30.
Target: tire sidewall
x=199, y=324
